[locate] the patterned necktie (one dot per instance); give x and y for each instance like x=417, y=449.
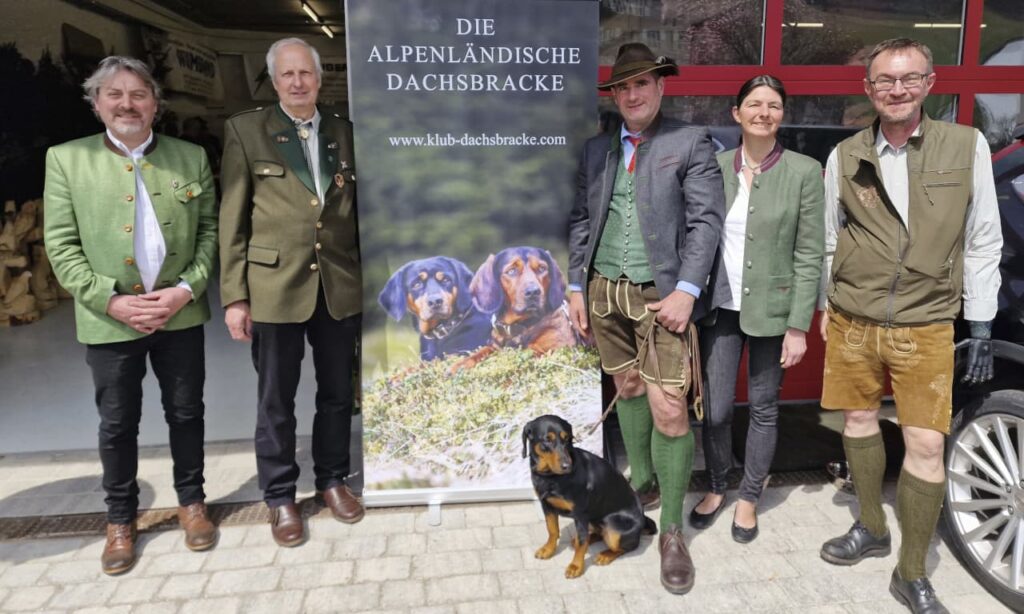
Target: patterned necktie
x=635, y=140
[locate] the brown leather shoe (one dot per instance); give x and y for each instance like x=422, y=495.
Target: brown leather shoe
x=677, y=571
x=650, y=497
x=343, y=503
x=286, y=525
x=119, y=552
x=200, y=533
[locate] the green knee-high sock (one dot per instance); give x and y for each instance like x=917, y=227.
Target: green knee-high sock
x=637, y=424
x=866, y=457
x=918, y=504
x=673, y=460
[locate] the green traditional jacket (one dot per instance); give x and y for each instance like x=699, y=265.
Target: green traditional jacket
x=89, y=205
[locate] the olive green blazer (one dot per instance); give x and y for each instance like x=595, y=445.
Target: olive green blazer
x=89, y=206
x=785, y=244
x=278, y=244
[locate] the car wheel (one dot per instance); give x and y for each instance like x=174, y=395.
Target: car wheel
x=983, y=512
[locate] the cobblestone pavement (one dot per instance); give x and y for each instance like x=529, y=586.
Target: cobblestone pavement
x=479, y=559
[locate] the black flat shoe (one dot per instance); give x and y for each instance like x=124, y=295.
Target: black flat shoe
x=743, y=535
x=702, y=521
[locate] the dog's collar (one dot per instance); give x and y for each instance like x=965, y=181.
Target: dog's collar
x=514, y=331
x=446, y=328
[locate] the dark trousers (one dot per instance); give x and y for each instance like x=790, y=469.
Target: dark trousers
x=721, y=349
x=117, y=372
x=277, y=351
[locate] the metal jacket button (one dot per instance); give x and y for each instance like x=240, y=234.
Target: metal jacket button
x=129, y=197
x=137, y=288
x=129, y=261
x=314, y=267
x=127, y=227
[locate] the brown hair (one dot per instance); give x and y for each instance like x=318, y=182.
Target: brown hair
x=899, y=44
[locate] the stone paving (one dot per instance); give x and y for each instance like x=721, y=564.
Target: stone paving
x=479, y=559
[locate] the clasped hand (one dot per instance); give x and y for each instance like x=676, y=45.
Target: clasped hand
x=148, y=312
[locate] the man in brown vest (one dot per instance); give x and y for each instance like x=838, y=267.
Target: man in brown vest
x=911, y=234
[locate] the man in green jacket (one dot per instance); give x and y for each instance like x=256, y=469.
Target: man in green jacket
x=290, y=272
x=912, y=236
x=131, y=232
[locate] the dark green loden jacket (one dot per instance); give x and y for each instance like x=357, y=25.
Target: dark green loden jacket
x=278, y=245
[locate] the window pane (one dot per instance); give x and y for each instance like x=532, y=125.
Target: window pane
x=996, y=115
x=844, y=32
x=1002, y=38
x=713, y=32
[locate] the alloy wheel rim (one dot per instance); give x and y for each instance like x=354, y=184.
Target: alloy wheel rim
x=985, y=491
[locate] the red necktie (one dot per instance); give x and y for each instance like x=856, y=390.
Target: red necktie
x=635, y=140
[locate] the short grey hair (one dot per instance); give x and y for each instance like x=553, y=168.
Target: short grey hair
x=110, y=66
x=284, y=42
x=897, y=45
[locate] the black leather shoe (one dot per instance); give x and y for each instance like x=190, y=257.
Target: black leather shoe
x=701, y=521
x=856, y=545
x=918, y=595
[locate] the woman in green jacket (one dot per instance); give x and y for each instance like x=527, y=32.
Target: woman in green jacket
x=771, y=253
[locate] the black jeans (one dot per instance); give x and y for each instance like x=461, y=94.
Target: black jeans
x=117, y=372
x=277, y=351
x=721, y=349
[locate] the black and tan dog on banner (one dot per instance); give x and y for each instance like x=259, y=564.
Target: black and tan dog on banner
x=436, y=292
x=570, y=481
x=524, y=291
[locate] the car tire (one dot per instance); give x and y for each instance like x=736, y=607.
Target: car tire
x=983, y=512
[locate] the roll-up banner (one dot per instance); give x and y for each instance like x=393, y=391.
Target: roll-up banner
x=469, y=119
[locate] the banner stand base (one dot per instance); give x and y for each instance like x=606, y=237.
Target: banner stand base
x=435, y=498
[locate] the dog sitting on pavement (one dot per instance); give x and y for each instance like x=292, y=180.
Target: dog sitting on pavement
x=573, y=482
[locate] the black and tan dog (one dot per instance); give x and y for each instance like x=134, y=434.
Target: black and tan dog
x=524, y=291
x=572, y=482
x=436, y=292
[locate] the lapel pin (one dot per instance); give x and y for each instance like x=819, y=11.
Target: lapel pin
x=339, y=180
x=303, y=133
x=332, y=145
x=174, y=183
x=344, y=165
x=282, y=138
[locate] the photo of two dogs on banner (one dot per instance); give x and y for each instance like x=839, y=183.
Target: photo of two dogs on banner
x=515, y=299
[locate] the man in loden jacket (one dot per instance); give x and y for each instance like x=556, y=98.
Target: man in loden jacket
x=131, y=232
x=643, y=234
x=290, y=272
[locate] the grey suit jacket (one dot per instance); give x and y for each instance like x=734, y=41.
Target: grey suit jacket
x=680, y=203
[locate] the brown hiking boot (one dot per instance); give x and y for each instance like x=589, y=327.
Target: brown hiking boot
x=677, y=571
x=200, y=533
x=119, y=552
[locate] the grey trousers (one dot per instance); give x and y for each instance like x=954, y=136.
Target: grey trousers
x=721, y=349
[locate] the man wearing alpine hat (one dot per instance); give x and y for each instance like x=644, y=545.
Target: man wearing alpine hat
x=643, y=235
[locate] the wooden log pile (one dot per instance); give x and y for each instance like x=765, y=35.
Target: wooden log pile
x=27, y=284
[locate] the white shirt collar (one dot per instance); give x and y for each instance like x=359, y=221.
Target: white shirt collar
x=625, y=133
x=315, y=120
x=132, y=153
x=881, y=143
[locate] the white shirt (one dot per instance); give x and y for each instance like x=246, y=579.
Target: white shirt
x=734, y=234
x=150, y=249
x=312, y=145
x=983, y=237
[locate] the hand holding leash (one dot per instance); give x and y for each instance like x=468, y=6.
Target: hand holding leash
x=674, y=311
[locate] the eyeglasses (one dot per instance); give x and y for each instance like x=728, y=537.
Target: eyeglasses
x=909, y=81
